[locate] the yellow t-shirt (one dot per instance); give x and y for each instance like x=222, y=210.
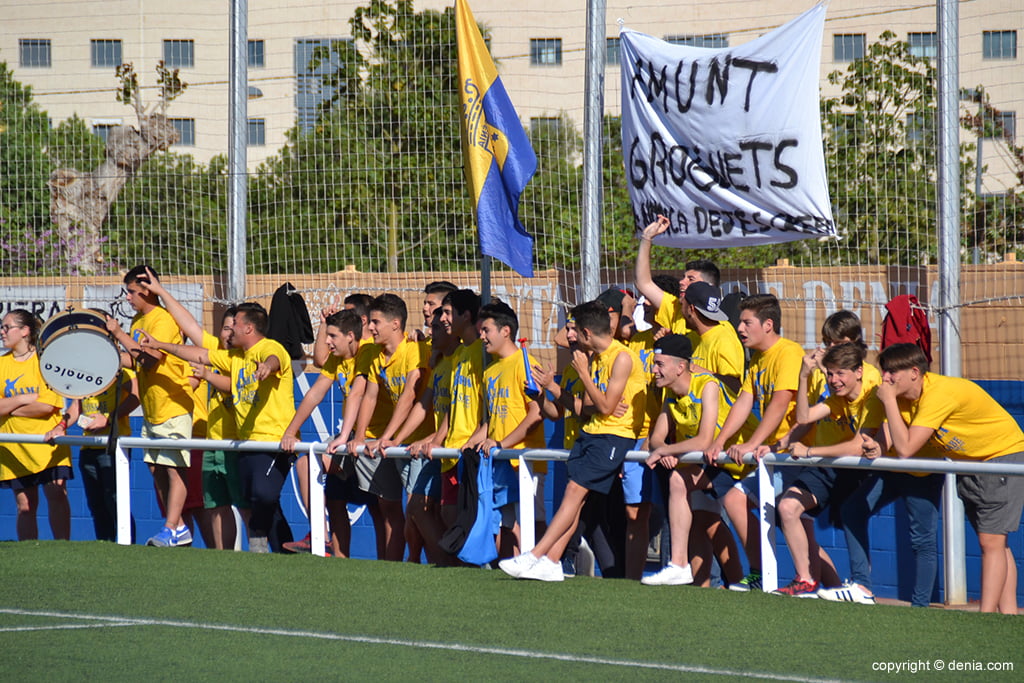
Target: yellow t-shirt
x=21, y=459
x=719, y=351
x=441, y=383
x=571, y=385
x=506, y=403
x=103, y=404
x=777, y=369
x=220, y=416
x=670, y=314
x=642, y=343
x=634, y=395
x=969, y=424
x=262, y=409
x=467, y=407
x=845, y=416
x=164, y=389
x=342, y=371
x=687, y=411
x=367, y=353
x=391, y=373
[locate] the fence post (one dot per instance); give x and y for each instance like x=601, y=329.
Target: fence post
x=766, y=527
x=123, y=488
x=954, y=547
x=527, y=522
x=317, y=516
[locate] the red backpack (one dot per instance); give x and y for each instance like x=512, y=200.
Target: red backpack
x=906, y=322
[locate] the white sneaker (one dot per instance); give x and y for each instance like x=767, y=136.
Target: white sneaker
x=848, y=592
x=544, y=569
x=670, y=575
x=515, y=566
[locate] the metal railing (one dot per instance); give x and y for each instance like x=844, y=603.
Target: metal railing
x=954, y=566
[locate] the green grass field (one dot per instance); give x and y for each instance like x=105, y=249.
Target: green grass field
x=74, y=611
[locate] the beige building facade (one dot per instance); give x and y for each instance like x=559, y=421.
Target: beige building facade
x=67, y=52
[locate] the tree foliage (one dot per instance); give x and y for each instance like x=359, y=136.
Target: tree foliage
x=377, y=181
x=880, y=148
x=379, y=177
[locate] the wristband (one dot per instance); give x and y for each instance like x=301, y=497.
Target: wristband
x=63, y=424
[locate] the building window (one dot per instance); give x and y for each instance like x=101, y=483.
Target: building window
x=179, y=54
x=923, y=44
x=710, y=40
x=545, y=51
x=1003, y=127
x=186, y=130
x=611, y=51
x=257, y=134
x=102, y=130
x=999, y=44
x=34, y=52
x=257, y=54
x=310, y=90
x=847, y=47
x=105, y=53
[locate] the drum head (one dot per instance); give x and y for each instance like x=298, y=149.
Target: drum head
x=80, y=362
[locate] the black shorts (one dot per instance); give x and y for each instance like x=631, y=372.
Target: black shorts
x=596, y=459
x=346, y=490
x=828, y=486
x=47, y=476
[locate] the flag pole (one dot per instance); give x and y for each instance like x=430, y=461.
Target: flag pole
x=485, y=279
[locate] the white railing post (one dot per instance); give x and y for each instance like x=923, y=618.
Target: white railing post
x=317, y=515
x=766, y=527
x=527, y=492
x=123, y=489
x=954, y=549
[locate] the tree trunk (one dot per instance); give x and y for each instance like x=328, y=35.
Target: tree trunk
x=80, y=202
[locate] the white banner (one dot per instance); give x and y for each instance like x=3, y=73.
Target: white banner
x=727, y=142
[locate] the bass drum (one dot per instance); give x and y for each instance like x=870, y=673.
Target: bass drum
x=77, y=355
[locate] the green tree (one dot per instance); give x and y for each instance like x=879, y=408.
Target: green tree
x=880, y=148
x=993, y=224
x=379, y=177
x=30, y=149
x=24, y=163
x=172, y=214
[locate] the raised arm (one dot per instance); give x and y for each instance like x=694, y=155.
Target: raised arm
x=642, y=272
x=320, y=351
x=806, y=413
x=906, y=440
x=185, y=321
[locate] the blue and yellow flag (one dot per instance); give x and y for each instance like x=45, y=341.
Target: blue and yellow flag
x=499, y=160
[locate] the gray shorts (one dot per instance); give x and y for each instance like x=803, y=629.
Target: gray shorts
x=379, y=476
x=993, y=502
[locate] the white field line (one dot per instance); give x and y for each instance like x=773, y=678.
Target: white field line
x=371, y=640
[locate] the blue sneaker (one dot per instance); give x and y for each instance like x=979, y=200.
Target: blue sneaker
x=163, y=538
x=182, y=536
x=171, y=538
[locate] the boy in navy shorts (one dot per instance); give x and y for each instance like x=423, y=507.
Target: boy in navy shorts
x=615, y=388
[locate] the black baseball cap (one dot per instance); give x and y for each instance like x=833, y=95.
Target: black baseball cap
x=676, y=345
x=707, y=299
